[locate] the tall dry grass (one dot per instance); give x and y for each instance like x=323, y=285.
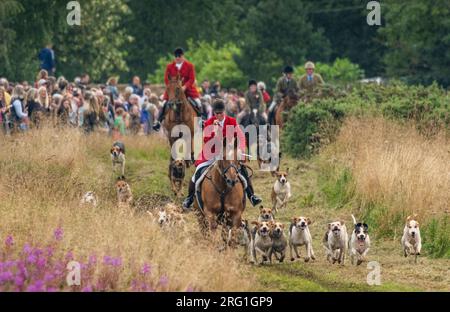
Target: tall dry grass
x=43, y=175
x=393, y=165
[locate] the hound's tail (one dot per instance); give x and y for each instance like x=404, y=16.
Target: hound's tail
x=354, y=220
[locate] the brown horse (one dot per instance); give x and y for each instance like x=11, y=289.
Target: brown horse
x=223, y=197
x=180, y=111
x=289, y=101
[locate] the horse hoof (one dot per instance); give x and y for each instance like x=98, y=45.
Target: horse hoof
x=306, y=259
x=292, y=259
x=359, y=262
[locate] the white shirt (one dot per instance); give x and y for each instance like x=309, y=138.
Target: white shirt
x=179, y=65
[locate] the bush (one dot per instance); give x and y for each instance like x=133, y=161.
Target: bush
x=301, y=136
x=310, y=127
x=436, y=238
x=211, y=62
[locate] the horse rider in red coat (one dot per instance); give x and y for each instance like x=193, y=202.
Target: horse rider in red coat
x=219, y=121
x=186, y=70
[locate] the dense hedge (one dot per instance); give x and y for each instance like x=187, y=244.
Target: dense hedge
x=310, y=126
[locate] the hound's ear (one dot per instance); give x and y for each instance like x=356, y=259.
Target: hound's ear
x=308, y=220
x=282, y=225
x=255, y=223
x=342, y=222
x=294, y=220
x=112, y=149
x=409, y=218
x=261, y=208
x=366, y=227
x=271, y=224
x=329, y=226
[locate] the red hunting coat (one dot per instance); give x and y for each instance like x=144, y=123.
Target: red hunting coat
x=187, y=73
x=229, y=121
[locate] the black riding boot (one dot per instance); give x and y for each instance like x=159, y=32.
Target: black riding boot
x=161, y=115
x=254, y=200
x=190, y=198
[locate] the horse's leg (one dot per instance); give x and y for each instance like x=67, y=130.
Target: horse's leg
x=235, y=225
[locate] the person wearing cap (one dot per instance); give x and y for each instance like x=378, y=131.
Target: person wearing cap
x=310, y=82
x=285, y=84
x=219, y=122
x=254, y=98
x=262, y=88
x=187, y=72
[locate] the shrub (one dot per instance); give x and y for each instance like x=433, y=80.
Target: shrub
x=436, y=238
x=301, y=135
x=427, y=107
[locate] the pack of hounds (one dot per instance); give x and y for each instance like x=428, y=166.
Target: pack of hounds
x=265, y=238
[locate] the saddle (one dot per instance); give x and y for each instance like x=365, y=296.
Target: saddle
x=199, y=178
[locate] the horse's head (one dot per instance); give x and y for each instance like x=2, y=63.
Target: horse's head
x=175, y=88
x=228, y=166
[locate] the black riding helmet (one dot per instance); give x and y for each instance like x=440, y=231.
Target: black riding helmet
x=218, y=106
x=288, y=70
x=178, y=52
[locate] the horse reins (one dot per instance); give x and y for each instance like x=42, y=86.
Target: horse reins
x=223, y=193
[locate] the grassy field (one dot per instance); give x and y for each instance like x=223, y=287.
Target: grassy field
x=44, y=175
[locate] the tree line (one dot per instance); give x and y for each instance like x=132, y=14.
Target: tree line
x=256, y=37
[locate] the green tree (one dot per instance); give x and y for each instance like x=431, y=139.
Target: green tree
x=417, y=36
x=97, y=46
x=345, y=25
x=160, y=26
x=279, y=33
x=8, y=9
